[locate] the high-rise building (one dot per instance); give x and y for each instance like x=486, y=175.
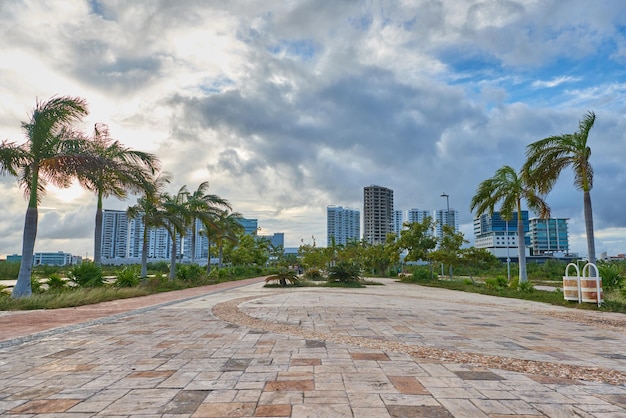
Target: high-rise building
x=549, y=236
x=114, y=242
x=342, y=224
x=418, y=215
x=202, y=242
x=159, y=241
x=398, y=221
x=445, y=217
x=250, y=226
x=377, y=213
x=499, y=236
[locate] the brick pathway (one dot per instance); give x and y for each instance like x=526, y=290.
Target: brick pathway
x=168, y=355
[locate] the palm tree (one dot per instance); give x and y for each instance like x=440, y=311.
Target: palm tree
x=53, y=153
x=176, y=216
x=148, y=208
x=509, y=188
x=204, y=207
x=125, y=170
x=227, y=227
x=547, y=157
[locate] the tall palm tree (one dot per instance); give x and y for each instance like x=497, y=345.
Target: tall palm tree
x=125, y=170
x=176, y=217
x=204, y=207
x=227, y=227
x=547, y=157
x=148, y=208
x=510, y=188
x=53, y=153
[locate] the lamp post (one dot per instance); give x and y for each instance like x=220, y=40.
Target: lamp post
x=508, y=259
x=447, y=196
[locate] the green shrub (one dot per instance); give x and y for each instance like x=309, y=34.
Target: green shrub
x=611, y=276
x=314, y=275
x=526, y=286
x=128, y=277
x=499, y=282
x=189, y=272
x=344, y=272
x=284, y=277
x=87, y=274
x=421, y=273
x=56, y=283
x=36, y=285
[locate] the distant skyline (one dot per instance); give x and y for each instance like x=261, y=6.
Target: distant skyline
x=288, y=107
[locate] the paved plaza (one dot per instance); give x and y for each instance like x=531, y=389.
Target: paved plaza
x=241, y=350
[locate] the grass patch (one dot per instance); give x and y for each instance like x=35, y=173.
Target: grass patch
x=71, y=298
x=615, y=301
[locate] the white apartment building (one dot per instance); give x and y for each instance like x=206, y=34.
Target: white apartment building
x=445, y=217
x=342, y=224
x=114, y=242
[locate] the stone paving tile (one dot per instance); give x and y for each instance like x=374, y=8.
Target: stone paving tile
x=179, y=360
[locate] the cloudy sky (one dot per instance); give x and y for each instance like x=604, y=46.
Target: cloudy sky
x=288, y=107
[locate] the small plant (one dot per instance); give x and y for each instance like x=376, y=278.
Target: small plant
x=36, y=285
x=526, y=287
x=284, y=277
x=344, y=272
x=314, y=275
x=497, y=282
x=127, y=277
x=56, y=283
x=611, y=276
x=87, y=274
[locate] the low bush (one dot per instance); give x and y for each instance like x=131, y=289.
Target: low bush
x=611, y=276
x=314, y=275
x=283, y=277
x=344, y=272
x=497, y=282
x=56, y=283
x=128, y=277
x=87, y=274
x=189, y=272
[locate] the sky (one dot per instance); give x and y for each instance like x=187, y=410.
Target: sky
x=286, y=107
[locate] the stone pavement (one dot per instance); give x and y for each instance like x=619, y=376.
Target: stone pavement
x=310, y=353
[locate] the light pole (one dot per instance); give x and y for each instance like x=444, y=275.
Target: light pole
x=447, y=196
x=508, y=259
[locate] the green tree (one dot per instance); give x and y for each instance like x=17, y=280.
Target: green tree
x=148, y=209
x=418, y=240
x=547, y=157
x=125, y=170
x=509, y=188
x=226, y=227
x=204, y=207
x=449, y=249
x=312, y=257
x=54, y=152
x=379, y=257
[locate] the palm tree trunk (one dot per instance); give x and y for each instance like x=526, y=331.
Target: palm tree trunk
x=219, y=259
x=22, y=286
x=521, y=246
x=97, y=236
x=193, y=241
x=173, y=259
x=591, y=246
x=144, y=253
x=208, y=262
